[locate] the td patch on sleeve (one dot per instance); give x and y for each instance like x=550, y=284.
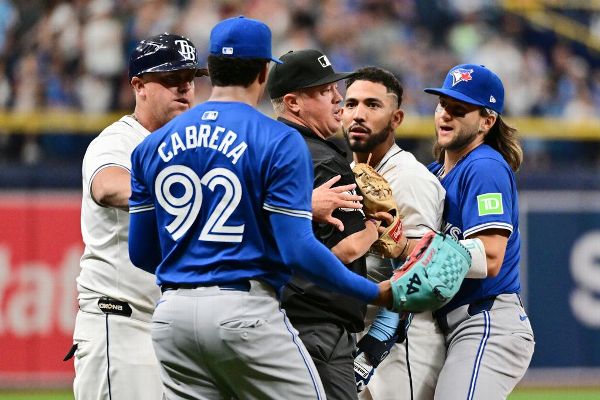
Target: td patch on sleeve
x=490, y=204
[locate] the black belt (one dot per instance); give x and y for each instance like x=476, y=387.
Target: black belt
x=475, y=308
x=243, y=286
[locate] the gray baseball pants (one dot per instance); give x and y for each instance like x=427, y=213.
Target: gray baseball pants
x=215, y=343
x=489, y=350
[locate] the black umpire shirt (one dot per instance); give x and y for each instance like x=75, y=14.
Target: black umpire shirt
x=303, y=300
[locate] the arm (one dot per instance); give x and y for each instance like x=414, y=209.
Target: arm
x=111, y=187
x=494, y=242
x=304, y=253
x=326, y=199
x=357, y=244
x=144, y=247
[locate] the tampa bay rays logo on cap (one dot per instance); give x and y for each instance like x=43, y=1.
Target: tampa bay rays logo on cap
x=461, y=75
x=186, y=50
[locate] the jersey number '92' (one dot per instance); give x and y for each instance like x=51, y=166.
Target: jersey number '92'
x=186, y=207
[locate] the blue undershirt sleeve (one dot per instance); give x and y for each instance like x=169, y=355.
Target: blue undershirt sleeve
x=385, y=325
x=144, y=247
x=302, y=252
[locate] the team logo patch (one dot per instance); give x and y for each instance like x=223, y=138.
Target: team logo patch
x=461, y=75
x=227, y=50
x=186, y=50
x=490, y=204
x=324, y=61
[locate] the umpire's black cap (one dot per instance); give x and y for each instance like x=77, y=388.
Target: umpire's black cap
x=301, y=69
x=163, y=53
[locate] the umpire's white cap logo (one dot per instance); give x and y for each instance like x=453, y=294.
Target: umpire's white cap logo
x=324, y=61
x=186, y=50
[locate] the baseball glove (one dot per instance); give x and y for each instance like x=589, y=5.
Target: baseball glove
x=391, y=242
x=376, y=191
x=432, y=274
x=377, y=197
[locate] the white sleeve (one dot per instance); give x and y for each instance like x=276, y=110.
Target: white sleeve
x=113, y=147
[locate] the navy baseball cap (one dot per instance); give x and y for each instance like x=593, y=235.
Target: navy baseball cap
x=241, y=37
x=163, y=53
x=473, y=84
x=302, y=69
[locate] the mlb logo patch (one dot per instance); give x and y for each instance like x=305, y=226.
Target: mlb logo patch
x=210, y=115
x=227, y=50
x=461, y=75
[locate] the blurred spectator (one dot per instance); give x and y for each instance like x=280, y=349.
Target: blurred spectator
x=71, y=54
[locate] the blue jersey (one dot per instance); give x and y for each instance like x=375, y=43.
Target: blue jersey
x=211, y=176
x=481, y=194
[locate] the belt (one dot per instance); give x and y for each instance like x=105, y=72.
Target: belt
x=241, y=286
x=472, y=309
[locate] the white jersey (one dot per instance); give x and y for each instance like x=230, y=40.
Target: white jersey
x=420, y=199
x=419, y=196
x=418, y=193
x=105, y=266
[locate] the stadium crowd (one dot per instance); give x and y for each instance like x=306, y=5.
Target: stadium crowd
x=72, y=55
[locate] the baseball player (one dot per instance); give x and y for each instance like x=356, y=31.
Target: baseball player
x=220, y=211
x=488, y=335
x=114, y=358
x=370, y=117
x=305, y=97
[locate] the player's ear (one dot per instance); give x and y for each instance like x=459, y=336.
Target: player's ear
x=138, y=85
x=487, y=122
x=397, y=118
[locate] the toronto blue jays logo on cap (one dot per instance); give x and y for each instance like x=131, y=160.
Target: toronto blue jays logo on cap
x=483, y=87
x=461, y=75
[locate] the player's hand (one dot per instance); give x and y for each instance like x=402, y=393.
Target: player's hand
x=384, y=220
x=326, y=199
x=392, y=242
x=384, y=298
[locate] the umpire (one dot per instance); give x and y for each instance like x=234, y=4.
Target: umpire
x=304, y=95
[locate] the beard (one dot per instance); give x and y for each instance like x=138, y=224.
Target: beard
x=462, y=140
x=372, y=141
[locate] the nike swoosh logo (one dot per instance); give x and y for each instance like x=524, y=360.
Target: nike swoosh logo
x=522, y=317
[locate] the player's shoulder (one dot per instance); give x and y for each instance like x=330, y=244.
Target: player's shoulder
x=403, y=163
x=125, y=127
x=124, y=134
x=238, y=113
x=486, y=158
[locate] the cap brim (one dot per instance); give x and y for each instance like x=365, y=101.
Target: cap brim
x=454, y=94
x=336, y=76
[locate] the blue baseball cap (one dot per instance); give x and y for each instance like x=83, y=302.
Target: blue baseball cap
x=473, y=84
x=243, y=38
